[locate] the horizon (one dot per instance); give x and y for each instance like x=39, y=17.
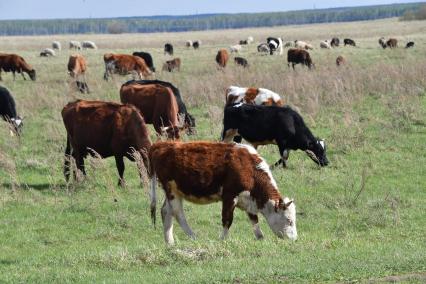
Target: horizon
x=88, y=9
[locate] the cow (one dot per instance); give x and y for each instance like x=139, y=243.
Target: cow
x=44, y=54
x=302, y=45
x=392, y=43
x=258, y=96
x=222, y=57
x=409, y=44
x=47, y=52
x=168, y=49
x=275, y=44
x=299, y=56
x=340, y=60
x=250, y=39
x=124, y=64
x=56, y=45
x=157, y=105
x=89, y=45
x=263, y=48
x=15, y=63
x=262, y=125
x=382, y=42
x=241, y=62
x=243, y=42
x=335, y=42
x=325, y=44
x=196, y=44
x=188, y=43
x=77, y=67
x=207, y=172
x=75, y=45
x=189, y=120
x=171, y=65
x=8, y=111
x=348, y=41
x=235, y=48
x=104, y=129
x=147, y=57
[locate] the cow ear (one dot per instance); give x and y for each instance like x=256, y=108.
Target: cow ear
x=286, y=205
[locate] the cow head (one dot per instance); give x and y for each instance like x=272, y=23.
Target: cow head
x=281, y=219
x=171, y=132
x=189, y=123
x=316, y=151
x=32, y=74
x=17, y=124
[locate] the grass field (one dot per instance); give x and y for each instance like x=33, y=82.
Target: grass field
x=360, y=219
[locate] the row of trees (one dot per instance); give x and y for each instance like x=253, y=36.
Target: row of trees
x=419, y=14
x=202, y=22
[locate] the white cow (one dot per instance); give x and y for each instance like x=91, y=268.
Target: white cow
x=56, y=45
x=89, y=44
x=75, y=44
x=235, y=48
x=325, y=44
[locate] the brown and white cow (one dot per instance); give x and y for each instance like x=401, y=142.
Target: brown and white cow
x=77, y=67
x=157, y=104
x=15, y=63
x=222, y=57
x=258, y=96
x=171, y=65
x=107, y=129
x=124, y=64
x=207, y=172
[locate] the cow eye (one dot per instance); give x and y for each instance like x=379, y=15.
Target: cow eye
x=290, y=222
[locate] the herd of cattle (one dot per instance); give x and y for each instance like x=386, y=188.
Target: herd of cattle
x=200, y=172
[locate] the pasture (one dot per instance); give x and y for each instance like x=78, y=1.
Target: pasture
x=361, y=218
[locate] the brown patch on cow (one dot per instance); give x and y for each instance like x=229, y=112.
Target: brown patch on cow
x=271, y=102
x=222, y=58
x=251, y=94
x=156, y=103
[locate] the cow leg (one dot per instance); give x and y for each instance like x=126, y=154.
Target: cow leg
x=177, y=208
x=256, y=229
x=228, y=206
x=167, y=217
x=283, y=153
x=119, y=162
x=293, y=66
x=23, y=76
x=80, y=164
x=14, y=75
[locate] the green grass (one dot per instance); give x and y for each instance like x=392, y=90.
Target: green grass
x=361, y=218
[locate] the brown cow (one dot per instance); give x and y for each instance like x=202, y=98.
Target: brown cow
x=171, y=65
x=76, y=68
x=392, y=43
x=222, y=57
x=157, y=104
x=124, y=64
x=15, y=63
x=296, y=56
x=107, y=129
x=340, y=60
x=207, y=172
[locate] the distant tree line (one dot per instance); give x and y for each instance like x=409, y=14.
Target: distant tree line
x=202, y=22
x=412, y=15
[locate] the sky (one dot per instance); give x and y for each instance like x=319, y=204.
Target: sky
x=57, y=9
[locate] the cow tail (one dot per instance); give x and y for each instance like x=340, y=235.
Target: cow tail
x=153, y=197
x=67, y=159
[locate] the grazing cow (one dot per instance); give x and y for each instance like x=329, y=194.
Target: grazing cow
x=75, y=45
x=325, y=44
x=147, y=57
x=15, y=63
x=262, y=125
x=275, y=44
x=348, y=41
x=105, y=129
x=44, y=54
x=241, y=61
x=340, y=60
x=392, y=43
x=263, y=48
x=243, y=42
x=302, y=45
x=188, y=43
x=250, y=39
x=382, y=42
x=409, y=44
x=8, y=110
x=299, y=56
x=189, y=120
x=171, y=65
x=157, y=105
x=124, y=64
x=207, y=172
x=168, y=49
x=77, y=67
x=56, y=45
x=47, y=52
x=89, y=45
x=235, y=48
x=258, y=96
x=222, y=57
x=196, y=44
x=335, y=42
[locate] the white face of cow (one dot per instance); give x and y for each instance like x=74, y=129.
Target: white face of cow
x=282, y=220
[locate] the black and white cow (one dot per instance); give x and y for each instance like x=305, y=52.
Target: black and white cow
x=8, y=110
x=168, y=49
x=263, y=125
x=147, y=57
x=275, y=44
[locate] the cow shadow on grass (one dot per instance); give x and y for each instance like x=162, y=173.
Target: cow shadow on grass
x=35, y=186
